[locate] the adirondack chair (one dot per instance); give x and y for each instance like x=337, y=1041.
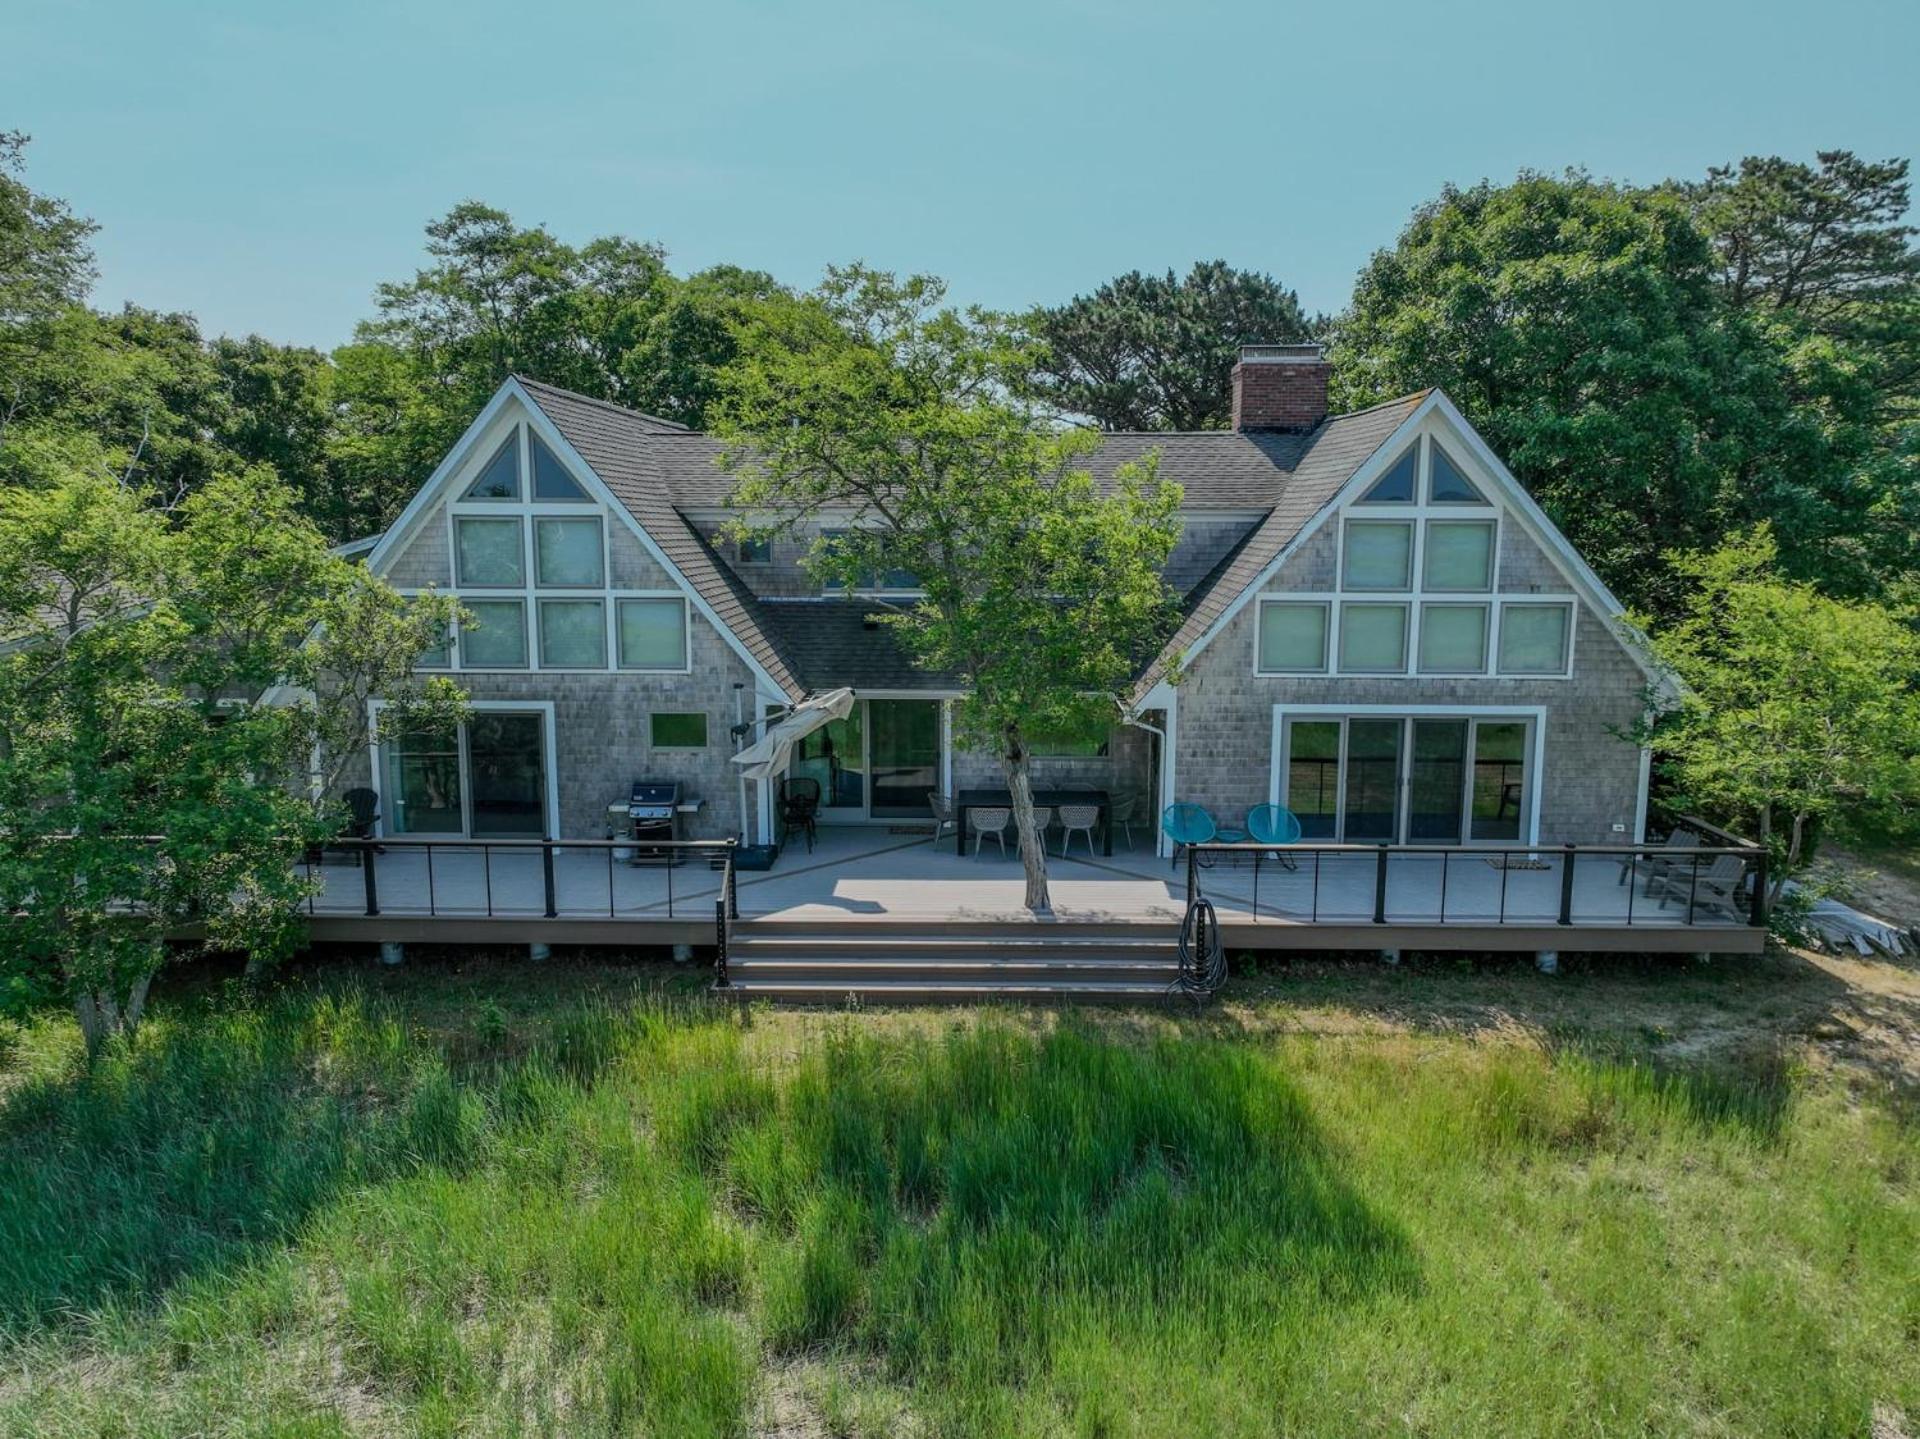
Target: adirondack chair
x=1657, y=866
x=1718, y=886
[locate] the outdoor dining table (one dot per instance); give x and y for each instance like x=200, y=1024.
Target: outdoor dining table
x=972, y=799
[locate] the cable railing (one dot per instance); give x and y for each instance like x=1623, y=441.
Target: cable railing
x=1486, y=884
x=421, y=877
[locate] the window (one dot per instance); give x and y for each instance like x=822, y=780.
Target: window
x=1460, y=555
x=489, y=552
x=573, y=635
x=1395, y=487
x=568, y=552
x=678, y=731
x=1453, y=639
x=653, y=634
x=1448, y=486
x=437, y=658
x=756, y=550
x=550, y=478
x=891, y=579
x=1373, y=639
x=1293, y=638
x=1378, y=555
x=500, y=480
x=1533, y=639
x=498, y=639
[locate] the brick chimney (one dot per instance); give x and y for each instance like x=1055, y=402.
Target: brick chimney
x=1280, y=387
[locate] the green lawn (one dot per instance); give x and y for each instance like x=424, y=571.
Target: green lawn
x=519, y=1200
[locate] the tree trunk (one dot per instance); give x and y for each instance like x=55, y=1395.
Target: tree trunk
x=103, y=1014
x=1014, y=761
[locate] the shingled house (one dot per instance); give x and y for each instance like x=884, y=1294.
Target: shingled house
x=1381, y=632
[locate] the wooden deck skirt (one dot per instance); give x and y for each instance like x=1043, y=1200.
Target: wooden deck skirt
x=873, y=879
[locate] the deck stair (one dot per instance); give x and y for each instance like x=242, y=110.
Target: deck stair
x=953, y=962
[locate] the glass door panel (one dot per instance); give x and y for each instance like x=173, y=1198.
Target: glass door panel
x=1372, y=791
x=1313, y=776
x=904, y=740
x=1436, y=781
x=506, y=774
x=1499, y=779
x=835, y=755
x=423, y=785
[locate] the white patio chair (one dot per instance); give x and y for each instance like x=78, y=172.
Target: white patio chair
x=1078, y=819
x=1125, y=814
x=1042, y=817
x=992, y=821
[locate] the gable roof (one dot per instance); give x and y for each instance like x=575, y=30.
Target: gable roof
x=614, y=443
x=1338, y=448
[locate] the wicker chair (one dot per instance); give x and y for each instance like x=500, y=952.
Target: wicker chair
x=1078, y=819
x=944, y=818
x=990, y=821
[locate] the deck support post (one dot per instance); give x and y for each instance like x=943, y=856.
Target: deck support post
x=1547, y=961
x=1389, y=956
x=538, y=953
x=392, y=952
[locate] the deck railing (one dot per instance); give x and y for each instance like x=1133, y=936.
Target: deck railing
x=432, y=877
x=1433, y=884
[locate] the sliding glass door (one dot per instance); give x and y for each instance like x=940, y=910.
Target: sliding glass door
x=880, y=762
x=487, y=779
x=1408, y=779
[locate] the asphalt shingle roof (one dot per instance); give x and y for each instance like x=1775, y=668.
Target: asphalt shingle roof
x=657, y=468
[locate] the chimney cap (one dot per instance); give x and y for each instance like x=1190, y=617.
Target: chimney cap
x=1311, y=352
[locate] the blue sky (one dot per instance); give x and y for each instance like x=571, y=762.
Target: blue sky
x=264, y=165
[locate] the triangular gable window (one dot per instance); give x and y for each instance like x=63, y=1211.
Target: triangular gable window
x=1395, y=487
x=1449, y=486
x=550, y=478
x=500, y=480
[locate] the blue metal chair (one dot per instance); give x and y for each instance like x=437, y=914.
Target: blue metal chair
x=1274, y=824
x=1187, y=824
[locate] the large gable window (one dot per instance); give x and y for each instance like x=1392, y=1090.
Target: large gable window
x=550, y=478
x=1447, y=486
x=500, y=480
x=652, y=634
x=498, y=639
x=1373, y=638
x=491, y=552
x=569, y=552
x=1534, y=639
x=573, y=635
x=1396, y=486
x=1293, y=638
x=1459, y=555
x=1377, y=555
x=1453, y=639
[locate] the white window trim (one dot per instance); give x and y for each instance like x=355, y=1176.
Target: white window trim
x=1489, y=522
x=701, y=748
x=551, y=757
x=1486, y=637
x=534, y=517
x=1407, y=628
x=1496, y=603
x=1534, y=715
x=1402, y=517
x=570, y=597
x=527, y=642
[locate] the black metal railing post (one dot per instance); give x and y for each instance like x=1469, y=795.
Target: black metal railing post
x=1566, y=887
x=732, y=888
x=546, y=874
x=1757, y=909
x=1193, y=880
x=1380, y=886
x=720, y=980
x=367, y=852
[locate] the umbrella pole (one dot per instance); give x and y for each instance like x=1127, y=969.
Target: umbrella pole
x=740, y=737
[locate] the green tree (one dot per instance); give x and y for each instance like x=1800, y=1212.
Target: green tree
x=168, y=678
x=1801, y=713
x=871, y=402
x=1156, y=352
x=1583, y=328
x=1826, y=248
x=673, y=369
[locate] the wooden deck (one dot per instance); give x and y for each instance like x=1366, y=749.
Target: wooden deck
x=874, y=878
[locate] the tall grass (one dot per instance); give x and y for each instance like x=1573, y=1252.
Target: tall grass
x=310, y=1216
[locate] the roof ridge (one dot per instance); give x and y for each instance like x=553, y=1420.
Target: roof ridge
x=1411, y=397
x=673, y=426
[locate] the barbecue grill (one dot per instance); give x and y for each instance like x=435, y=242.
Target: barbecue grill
x=653, y=814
